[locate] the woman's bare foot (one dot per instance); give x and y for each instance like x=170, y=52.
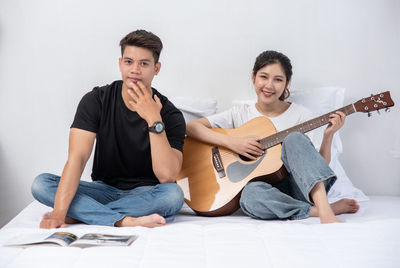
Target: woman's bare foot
x=68, y=220
x=327, y=212
x=328, y=218
x=153, y=220
x=345, y=205
x=327, y=215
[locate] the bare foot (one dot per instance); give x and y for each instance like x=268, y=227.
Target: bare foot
x=68, y=220
x=345, y=205
x=153, y=220
x=342, y=206
x=325, y=214
x=329, y=219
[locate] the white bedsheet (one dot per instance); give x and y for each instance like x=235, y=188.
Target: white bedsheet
x=369, y=238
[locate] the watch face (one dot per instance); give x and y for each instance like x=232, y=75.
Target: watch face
x=159, y=127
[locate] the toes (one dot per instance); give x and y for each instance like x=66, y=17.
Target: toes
x=158, y=219
x=162, y=220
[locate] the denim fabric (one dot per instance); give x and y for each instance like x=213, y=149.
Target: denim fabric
x=290, y=198
x=101, y=204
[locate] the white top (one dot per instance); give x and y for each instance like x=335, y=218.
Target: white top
x=241, y=113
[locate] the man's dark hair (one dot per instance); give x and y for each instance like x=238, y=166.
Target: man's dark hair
x=145, y=39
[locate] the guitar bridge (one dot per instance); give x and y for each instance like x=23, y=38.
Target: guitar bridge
x=217, y=162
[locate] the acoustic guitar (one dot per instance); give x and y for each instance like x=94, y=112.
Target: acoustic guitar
x=212, y=177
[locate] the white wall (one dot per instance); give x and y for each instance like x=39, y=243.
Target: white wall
x=52, y=52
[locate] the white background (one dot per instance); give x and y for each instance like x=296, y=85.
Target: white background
x=53, y=52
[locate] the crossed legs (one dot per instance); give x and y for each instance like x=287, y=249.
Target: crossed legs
x=101, y=204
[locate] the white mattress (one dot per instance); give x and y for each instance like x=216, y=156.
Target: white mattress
x=369, y=238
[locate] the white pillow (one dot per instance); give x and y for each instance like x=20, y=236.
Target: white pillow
x=194, y=108
x=323, y=100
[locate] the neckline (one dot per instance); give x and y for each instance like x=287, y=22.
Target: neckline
x=277, y=116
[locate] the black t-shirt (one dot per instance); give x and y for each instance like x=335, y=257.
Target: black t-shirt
x=122, y=156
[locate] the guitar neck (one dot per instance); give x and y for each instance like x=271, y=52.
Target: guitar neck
x=307, y=126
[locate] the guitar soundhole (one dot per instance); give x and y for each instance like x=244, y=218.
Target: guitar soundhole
x=246, y=159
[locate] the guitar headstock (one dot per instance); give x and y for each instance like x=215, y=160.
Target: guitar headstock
x=374, y=103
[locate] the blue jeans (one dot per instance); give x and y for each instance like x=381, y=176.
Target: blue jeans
x=290, y=198
x=101, y=204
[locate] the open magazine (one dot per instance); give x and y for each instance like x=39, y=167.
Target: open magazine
x=66, y=239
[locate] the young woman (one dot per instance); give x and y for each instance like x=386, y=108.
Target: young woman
x=303, y=193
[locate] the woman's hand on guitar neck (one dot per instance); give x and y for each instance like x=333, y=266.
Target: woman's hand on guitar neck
x=336, y=121
x=248, y=147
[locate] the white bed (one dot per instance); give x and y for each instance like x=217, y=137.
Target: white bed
x=369, y=238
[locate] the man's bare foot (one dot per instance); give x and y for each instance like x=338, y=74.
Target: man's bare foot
x=345, y=205
x=153, y=220
x=68, y=220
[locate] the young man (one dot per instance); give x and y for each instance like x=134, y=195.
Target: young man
x=139, y=138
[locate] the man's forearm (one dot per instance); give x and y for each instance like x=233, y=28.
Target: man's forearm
x=67, y=187
x=165, y=160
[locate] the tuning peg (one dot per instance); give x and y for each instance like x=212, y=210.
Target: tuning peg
x=369, y=114
x=378, y=112
x=387, y=110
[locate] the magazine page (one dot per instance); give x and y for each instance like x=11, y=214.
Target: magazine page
x=62, y=238
x=58, y=238
x=89, y=240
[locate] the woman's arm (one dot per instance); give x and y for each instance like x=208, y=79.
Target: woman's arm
x=336, y=121
x=200, y=129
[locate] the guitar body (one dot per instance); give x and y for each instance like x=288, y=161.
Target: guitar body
x=208, y=192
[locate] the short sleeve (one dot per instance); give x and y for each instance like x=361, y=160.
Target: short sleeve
x=87, y=116
x=175, y=130
x=222, y=120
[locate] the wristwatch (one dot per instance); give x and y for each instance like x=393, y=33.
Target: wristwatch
x=158, y=127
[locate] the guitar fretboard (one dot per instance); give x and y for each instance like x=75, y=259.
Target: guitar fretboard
x=317, y=122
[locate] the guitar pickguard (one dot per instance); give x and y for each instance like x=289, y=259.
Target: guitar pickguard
x=238, y=171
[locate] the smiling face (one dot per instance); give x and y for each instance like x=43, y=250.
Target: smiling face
x=270, y=83
x=137, y=64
